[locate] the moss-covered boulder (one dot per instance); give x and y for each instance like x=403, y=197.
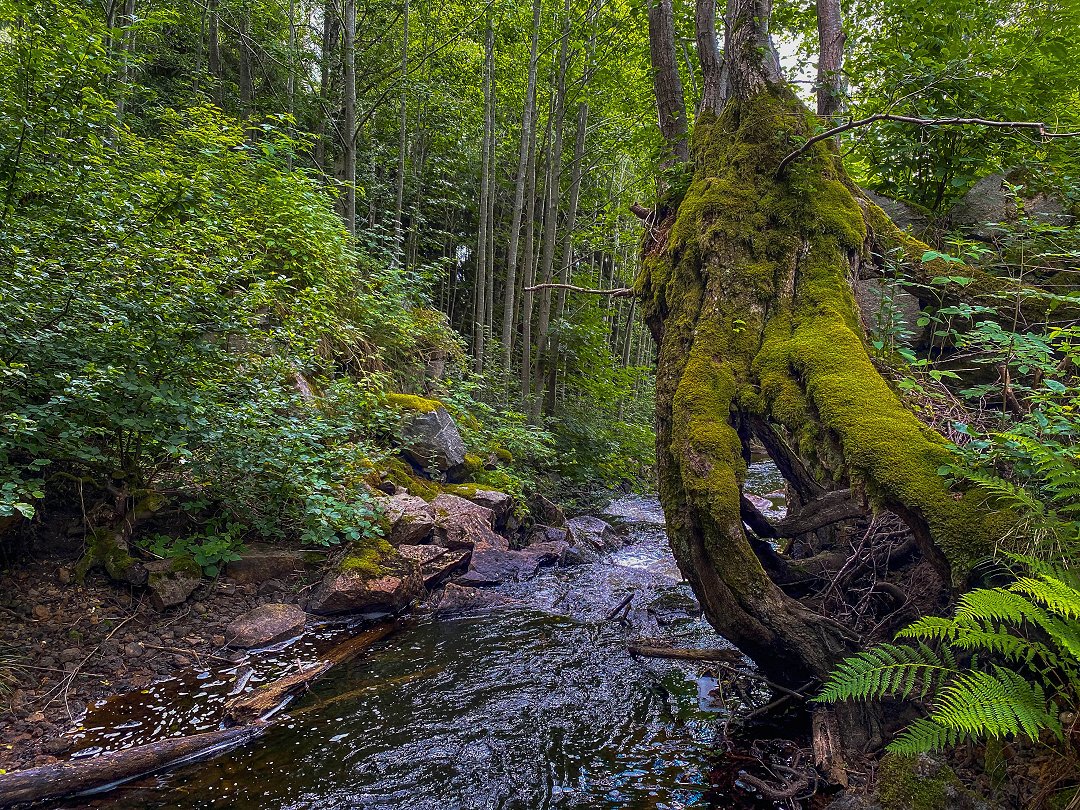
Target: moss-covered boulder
x=430, y=438
x=172, y=581
x=375, y=579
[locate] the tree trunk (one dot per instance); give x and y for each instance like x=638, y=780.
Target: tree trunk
x=349, y=133
x=830, y=86
x=745, y=289
x=480, y=287
x=213, y=49
x=529, y=269
x=399, y=199
x=712, y=96
x=670, y=105
x=246, y=78
x=524, y=152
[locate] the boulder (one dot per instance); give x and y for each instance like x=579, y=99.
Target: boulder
x=412, y=519
x=262, y=563
x=431, y=441
x=906, y=217
x=592, y=532
x=463, y=524
x=435, y=562
x=499, y=503
x=555, y=552
x=545, y=511
x=547, y=534
x=883, y=301
x=494, y=566
x=456, y=598
x=989, y=200
x=172, y=581
x=385, y=583
x=265, y=625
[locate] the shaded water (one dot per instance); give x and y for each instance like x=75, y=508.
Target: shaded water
x=533, y=706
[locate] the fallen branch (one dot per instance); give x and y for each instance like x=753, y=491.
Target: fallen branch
x=1038, y=126
x=248, y=712
x=647, y=650
x=623, y=607
x=616, y=292
x=80, y=775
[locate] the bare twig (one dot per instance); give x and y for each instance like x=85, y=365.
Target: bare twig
x=1038, y=126
x=617, y=292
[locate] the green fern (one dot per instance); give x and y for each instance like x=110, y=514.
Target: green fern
x=1024, y=667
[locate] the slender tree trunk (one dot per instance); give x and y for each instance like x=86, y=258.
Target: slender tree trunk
x=349, y=133
x=670, y=104
x=328, y=46
x=126, y=53
x=213, y=50
x=402, y=132
x=567, y=247
x=246, y=74
x=831, y=86
x=290, y=80
x=524, y=154
x=551, y=215
x=529, y=269
x=712, y=97
x=480, y=287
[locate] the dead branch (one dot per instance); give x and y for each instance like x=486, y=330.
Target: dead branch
x=1038, y=126
x=653, y=650
x=617, y=292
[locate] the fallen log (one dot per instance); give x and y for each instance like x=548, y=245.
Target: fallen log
x=107, y=770
x=653, y=650
x=267, y=700
x=247, y=713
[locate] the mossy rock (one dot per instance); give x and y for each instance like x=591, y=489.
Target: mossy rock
x=411, y=402
x=105, y=550
x=922, y=783
x=367, y=559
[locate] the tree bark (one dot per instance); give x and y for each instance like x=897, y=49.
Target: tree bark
x=399, y=199
x=349, y=124
x=670, y=105
x=831, y=87
x=712, y=95
x=745, y=289
x=524, y=152
x=480, y=286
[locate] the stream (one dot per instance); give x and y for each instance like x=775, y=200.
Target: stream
x=535, y=704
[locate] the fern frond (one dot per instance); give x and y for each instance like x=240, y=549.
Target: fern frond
x=1053, y=593
x=922, y=736
x=888, y=669
x=994, y=704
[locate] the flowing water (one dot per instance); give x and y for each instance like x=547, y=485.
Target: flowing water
x=533, y=705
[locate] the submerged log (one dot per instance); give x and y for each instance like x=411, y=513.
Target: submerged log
x=248, y=713
x=107, y=770
x=658, y=650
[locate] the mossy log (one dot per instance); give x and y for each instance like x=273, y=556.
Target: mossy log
x=746, y=290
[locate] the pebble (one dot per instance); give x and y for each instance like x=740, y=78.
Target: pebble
x=70, y=655
x=133, y=650
x=41, y=612
x=64, y=575
x=56, y=746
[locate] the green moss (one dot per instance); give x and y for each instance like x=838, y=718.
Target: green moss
x=411, y=402
x=399, y=472
x=904, y=783
x=473, y=464
x=504, y=455
x=104, y=550
x=367, y=558
x=751, y=286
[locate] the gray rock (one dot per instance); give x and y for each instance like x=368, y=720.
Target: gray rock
x=261, y=563
x=456, y=598
x=881, y=301
x=264, y=625
x=550, y=553
x=431, y=440
x=133, y=650
x=906, y=217
x=499, y=503
x=592, y=532
x=412, y=519
x=545, y=511
x=463, y=524
x=990, y=201
x=347, y=590
x=494, y=566
x=171, y=582
x=435, y=562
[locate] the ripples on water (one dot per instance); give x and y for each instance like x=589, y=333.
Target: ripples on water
x=539, y=706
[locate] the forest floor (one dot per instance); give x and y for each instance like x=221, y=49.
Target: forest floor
x=78, y=644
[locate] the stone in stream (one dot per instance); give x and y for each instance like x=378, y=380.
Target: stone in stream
x=545, y=511
x=435, y=562
x=385, y=582
x=412, y=519
x=261, y=563
x=264, y=625
x=592, y=532
x=494, y=566
x=431, y=441
x=456, y=598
